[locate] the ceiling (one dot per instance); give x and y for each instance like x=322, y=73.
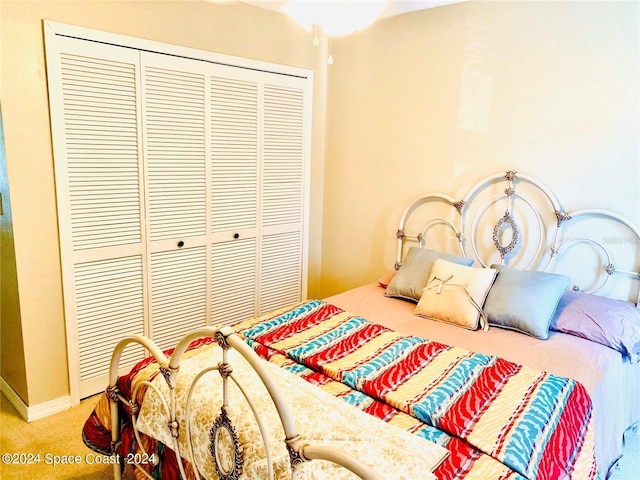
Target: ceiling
x=394, y=7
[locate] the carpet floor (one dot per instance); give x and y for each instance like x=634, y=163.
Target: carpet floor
x=55, y=439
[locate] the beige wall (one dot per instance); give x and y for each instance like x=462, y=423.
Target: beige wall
x=230, y=28
x=435, y=100
x=431, y=100
x=12, y=349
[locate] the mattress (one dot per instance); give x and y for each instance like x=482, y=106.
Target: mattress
x=612, y=382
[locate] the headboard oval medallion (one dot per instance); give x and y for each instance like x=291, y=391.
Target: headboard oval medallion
x=498, y=230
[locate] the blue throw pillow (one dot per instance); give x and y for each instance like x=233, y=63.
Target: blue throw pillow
x=524, y=301
x=413, y=275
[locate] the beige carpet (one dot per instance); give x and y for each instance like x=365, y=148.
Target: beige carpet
x=58, y=435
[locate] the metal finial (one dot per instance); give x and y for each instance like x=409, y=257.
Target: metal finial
x=510, y=175
x=459, y=205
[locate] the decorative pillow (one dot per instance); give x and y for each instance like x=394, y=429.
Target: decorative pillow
x=455, y=294
x=613, y=323
x=413, y=275
x=524, y=301
x=384, y=280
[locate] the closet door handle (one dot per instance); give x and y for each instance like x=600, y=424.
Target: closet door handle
x=180, y=244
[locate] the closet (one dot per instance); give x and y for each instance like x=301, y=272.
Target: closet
x=182, y=189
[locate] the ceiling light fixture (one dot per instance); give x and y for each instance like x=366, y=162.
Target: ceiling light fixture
x=336, y=18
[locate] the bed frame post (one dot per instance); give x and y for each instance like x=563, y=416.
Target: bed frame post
x=113, y=392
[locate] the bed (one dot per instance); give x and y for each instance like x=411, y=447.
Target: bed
x=478, y=356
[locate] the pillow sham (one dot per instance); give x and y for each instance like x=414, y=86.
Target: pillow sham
x=524, y=301
x=384, y=280
x=413, y=275
x=613, y=323
x=455, y=294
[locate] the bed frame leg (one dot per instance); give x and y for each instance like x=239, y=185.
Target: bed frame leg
x=112, y=394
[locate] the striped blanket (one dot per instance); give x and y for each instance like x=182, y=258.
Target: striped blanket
x=497, y=419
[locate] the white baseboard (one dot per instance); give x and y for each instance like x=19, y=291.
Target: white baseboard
x=14, y=398
x=31, y=413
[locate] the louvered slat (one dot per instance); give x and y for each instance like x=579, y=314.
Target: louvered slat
x=234, y=154
x=109, y=305
x=99, y=102
x=175, y=143
x=233, y=269
x=283, y=160
x=280, y=271
x=178, y=294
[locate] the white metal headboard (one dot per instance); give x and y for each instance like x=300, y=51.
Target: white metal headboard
x=527, y=228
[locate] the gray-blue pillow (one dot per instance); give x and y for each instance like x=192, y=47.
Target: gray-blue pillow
x=524, y=301
x=413, y=275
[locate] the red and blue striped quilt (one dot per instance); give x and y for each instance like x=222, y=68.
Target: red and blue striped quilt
x=497, y=419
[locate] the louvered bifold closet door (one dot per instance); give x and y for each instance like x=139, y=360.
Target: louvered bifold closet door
x=178, y=286
x=283, y=194
x=94, y=101
x=110, y=306
x=182, y=190
x=174, y=103
x=235, y=157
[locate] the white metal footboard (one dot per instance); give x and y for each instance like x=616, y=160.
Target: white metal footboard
x=225, y=449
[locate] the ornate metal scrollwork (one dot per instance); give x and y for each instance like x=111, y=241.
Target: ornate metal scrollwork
x=508, y=219
x=222, y=341
x=459, y=205
x=224, y=369
x=112, y=393
x=174, y=428
x=134, y=408
x=225, y=448
x=169, y=375
x=293, y=447
x=295, y=458
x=562, y=216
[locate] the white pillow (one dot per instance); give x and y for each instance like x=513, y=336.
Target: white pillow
x=455, y=294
